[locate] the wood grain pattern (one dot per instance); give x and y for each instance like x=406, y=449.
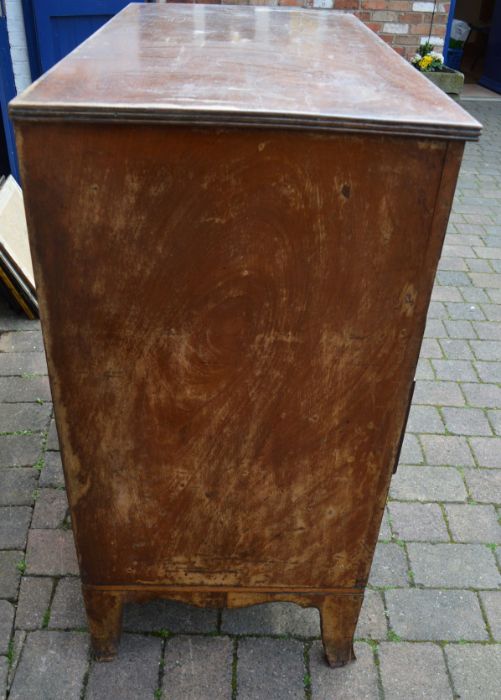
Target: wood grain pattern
x=252, y=66
x=232, y=321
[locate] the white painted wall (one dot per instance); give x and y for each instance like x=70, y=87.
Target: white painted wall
x=18, y=45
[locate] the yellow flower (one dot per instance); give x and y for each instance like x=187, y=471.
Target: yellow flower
x=425, y=62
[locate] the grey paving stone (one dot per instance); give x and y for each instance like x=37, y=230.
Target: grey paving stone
x=34, y=600
x=385, y=530
x=487, y=349
x=445, y=293
x=52, y=473
x=270, y=668
x=52, y=666
x=424, y=370
x=389, y=567
x=495, y=420
x=439, y=393
x=413, y=672
x=6, y=621
x=484, y=485
x=464, y=311
x=455, y=349
x=24, y=416
x=424, y=419
x=272, y=618
x=475, y=670
x=473, y=523
x=199, y=667
x=4, y=668
x=466, y=421
x=411, y=452
x=21, y=341
x=453, y=565
x=51, y=553
x=491, y=600
x=451, y=263
x=51, y=508
x=20, y=450
x=485, y=280
x=52, y=438
x=21, y=363
x=459, y=329
x=17, y=486
x=430, y=347
x=484, y=395
x=131, y=675
x=454, y=370
x=437, y=310
x=489, y=371
x=24, y=389
x=487, y=451
x=9, y=573
x=427, y=484
x=356, y=681
x=447, y=450
x=170, y=616
x=14, y=524
x=418, y=521
x=492, y=311
x=67, y=610
x=474, y=295
x=421, y=615
x=488, y=330
x=488, y=252
x=453, y=278
x=372, y=621
x=435, y=329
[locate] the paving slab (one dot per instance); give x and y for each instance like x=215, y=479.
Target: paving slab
x=447, y=450
x=356, y=681
x=418, y=522
x=453, y=565
x=133, y=674
x=24, y=416
x=10, y=573
x=475, y=670
x=52, y=666
x=24, y=389
x=17, y=486
x=14, y=524
x=34, y=600
x=420, y=614
x=389, y=566
x=491, y=601
x=51, y=553
x=372, y=623
x=170, y=616
x=20, y=450
x=52, y=473
x=473, y=523
x=270, y=668
x=6, y=621
x=51, y=508
x=67, y=610
x=413, y=672
x=272, y=618
x=201, y=667
x=428, y=484
x=484, y=485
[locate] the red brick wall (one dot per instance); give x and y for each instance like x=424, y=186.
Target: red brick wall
x=401, y=23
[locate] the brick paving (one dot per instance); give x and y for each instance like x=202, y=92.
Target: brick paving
x=431, y=622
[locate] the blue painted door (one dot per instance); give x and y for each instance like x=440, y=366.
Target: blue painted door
x=8, y=158
x=61, y=25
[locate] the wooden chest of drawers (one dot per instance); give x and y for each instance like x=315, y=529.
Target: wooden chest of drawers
x=235, y=217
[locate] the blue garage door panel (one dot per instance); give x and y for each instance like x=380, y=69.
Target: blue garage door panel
x=61, y=25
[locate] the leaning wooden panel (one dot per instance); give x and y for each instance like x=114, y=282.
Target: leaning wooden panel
x=232, y=317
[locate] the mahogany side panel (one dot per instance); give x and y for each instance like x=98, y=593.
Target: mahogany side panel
x=232, y=321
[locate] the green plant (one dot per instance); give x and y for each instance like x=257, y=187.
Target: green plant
x=21, y=566
x=427, y=60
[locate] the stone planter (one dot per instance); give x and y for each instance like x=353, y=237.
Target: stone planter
x=449, y=80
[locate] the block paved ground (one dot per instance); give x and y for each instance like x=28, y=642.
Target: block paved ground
x=431, y=622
